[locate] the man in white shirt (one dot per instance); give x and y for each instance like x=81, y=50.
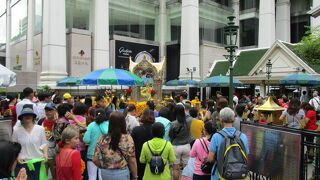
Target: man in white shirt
x=315, y=101
x=44, y=99
x=28, y=95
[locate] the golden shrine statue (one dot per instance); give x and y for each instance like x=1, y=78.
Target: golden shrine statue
x=270, y=112
x=152, y=73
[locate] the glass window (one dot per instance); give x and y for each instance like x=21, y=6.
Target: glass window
x=3, y=30
x=38, y=17
x=298, y=27
x=249, y=4
x=175, y=29
x=134, y=21
x=78, y=14
x=249, y=29
x=211, y=30
x=223, y=2
x=19, y=20
x=212, y=21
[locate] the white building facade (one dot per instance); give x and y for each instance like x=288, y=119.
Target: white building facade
x=62, y=38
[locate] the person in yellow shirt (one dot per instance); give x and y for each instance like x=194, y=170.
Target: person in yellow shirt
x=197, y=126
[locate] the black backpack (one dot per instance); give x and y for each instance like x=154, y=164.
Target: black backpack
x=157, y=164
x=232, y=160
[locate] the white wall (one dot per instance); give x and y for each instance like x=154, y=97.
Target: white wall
x=209, y=52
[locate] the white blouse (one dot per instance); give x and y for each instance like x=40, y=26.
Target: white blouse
x=32, y=143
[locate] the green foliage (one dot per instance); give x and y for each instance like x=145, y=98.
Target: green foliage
x=44, y=89
x=309, y=47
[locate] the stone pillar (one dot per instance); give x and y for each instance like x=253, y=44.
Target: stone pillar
x=8, y=35
x=30, y=34
x=283, y=20
x=236, y=13
x=100, y=49
x=267, y=23
x=189, y=52
x=54, y=62
x=162, y=28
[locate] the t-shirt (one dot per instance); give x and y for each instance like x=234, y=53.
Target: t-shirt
x=68, y=165
x=32, y=143
x=166, y=123
x=216, y=141
x=40, y=106
x=197, y=127
x=312, y=116
x=131, y=123
x=180, y=133
x=315, y=102
x=110, y=159
x=199, y=152
x=94, y=131
x=294, y=121
x=48, y=129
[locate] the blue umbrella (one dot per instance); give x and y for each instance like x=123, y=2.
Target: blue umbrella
x=112, y=76
x=219, y=81
x=69, y=81
x=299, y=79
x=174, y=82
x=190, y=82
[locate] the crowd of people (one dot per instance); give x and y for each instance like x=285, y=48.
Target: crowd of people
x=58, y=137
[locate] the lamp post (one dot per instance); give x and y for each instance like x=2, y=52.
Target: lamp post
x=191, y=71
x=231, y=33
x=268, y=71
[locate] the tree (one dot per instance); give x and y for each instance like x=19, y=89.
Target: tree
x=309, y=47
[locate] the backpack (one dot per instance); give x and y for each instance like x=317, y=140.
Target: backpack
x=206, y=165
x=157, y=164
x=232, y=160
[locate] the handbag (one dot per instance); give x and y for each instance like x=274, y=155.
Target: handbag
x=206, y=166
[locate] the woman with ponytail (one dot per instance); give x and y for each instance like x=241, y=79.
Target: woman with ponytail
x=115, y=153
x=200, y=151
x=68, y=159
x=94, y=131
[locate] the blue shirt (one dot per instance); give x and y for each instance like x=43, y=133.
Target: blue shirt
x=216, y=143
x=94, y=131
x=166, y=124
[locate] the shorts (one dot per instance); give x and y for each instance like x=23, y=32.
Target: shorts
x=182, y=154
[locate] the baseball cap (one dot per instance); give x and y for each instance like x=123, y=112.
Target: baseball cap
x=50, y=106
x=67, y=96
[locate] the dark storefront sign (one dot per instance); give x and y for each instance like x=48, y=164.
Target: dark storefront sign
x=123, y=50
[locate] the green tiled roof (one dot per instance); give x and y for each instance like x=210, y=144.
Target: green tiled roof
x=315, y=67
x=221, y=67
x=247, y=60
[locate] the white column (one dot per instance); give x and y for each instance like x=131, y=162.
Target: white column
x=163, y=28
x=30, y=34
x=283, y=20
x=236, y=13
x=101, y=34
x=8, y=35
x=189, y=52
x=54, y=61
x=266, y=23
